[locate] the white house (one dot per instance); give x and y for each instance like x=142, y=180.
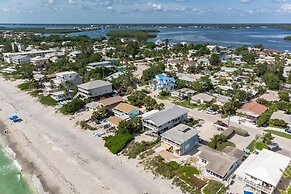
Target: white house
x=262, y=173
x=286, y=71
x=67, y=78
x=220, y=165
x=8, y=56
x=202, y=98
x=20, y=59
x=94, y=89
x=99, y=64
x=165, y=119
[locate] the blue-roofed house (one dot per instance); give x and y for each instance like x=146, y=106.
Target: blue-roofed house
x=162, y=82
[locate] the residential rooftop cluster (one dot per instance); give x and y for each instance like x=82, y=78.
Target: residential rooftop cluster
x=224, y=112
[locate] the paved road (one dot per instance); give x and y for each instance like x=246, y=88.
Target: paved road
x=70, y=160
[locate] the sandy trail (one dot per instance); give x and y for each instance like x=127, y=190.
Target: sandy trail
x=67, y=159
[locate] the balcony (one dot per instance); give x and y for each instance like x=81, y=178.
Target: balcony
x=266, y=189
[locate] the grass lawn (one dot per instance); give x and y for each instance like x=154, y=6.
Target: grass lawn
x=221, y=146
x=164, y=97
x=213, y=187
x=260, y=145
x=251, y=146
x=138, y=147
x=47, y=100
x=279, y=133
x=118, y=142
x=186, y=104
x=186, y=172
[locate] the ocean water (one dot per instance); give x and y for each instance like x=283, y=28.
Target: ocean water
x=11, y=179
x=270, y=38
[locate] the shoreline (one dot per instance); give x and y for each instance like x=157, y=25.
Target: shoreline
x=63, y=164
x=23, y=165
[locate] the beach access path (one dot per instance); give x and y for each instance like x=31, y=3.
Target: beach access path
x=66, y=158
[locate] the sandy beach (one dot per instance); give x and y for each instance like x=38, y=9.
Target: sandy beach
x=65, y=158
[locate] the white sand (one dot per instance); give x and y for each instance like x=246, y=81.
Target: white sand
x=68, y=159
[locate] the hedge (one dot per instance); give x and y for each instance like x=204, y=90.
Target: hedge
x=228, y=132
x=240, y=131
x=118, y=142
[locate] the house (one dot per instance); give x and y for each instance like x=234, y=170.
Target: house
x=189, y=77
x=60, y=96
x=111, y=101
x=94, y=89
x=75, y=54
x=182, y=93
x=252, y=110
x=179, y=139
x=261, y=173
x=125, y=111
x=165, y=119
x=220, y=165
x=202, y=98
x=281, y=116
x=114, y=120
x=91, y=106
x=270, y=97
x=286, y=71
x=68, y=79
x=162, y=82
x=39, y=61
x=30, y=54
x=21, y=59
x=221, y=100
x=95, y=65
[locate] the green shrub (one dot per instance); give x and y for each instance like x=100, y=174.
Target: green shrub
x=278, y=123
x=24, y=86
x=118, y=142
x=84, y=125
x=73, y=106
x=213, y=187
x=260, y=145
x=138, y=147
x=240, y=131
x=165, y=93
x=228, y=132
x=47, y=100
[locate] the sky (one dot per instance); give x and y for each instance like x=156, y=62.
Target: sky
x=145, y=11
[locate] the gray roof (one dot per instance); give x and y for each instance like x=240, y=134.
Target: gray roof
x=282, y=116
x=223, y=99
x=202, y=96
x=166, y=115
x=94, y=84
x=218, y=162
x=180, y=133
x=233, y=152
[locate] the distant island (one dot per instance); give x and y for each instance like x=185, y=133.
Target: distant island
x=139, y=34
x=46, y=30
x=287, y=38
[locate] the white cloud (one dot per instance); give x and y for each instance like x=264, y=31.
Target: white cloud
x=50, y=2
x=155, y=6
x=286, y=7
x=71, y=2
x=246, y=1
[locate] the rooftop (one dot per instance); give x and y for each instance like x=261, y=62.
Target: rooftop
x=124, y=107
x=254, y=108
x=220, y=162
x=94, y=84
x=166, y=115
x=267, y=166
x=180, y=134
x=111, y=100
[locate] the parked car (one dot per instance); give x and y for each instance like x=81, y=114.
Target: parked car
x=288, y=131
